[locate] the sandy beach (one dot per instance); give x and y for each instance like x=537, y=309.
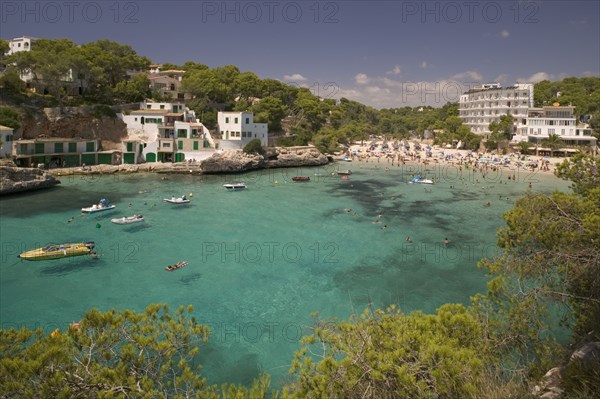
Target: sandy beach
x=424, y=153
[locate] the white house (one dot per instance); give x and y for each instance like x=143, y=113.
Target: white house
x=6, y=139
x=238, y=128
x=166, y=132
x=20, y=44
x=480, y=106
x=542, y=122
x=17, y=45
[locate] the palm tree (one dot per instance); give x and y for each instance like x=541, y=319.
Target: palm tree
x=524, y=146
x=553, y=141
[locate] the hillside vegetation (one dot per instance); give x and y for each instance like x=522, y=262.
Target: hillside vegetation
x=100, y=73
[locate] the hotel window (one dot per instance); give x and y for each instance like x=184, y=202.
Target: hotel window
x=58, y=148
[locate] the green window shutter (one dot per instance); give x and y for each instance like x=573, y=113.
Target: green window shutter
x=129, y=147
x=195, y=144
x=180, y=145
x=247, y=121
x=236, y=120
x=58, y=148
x=72, y=147
x=39, y=148
x=89, y=146
x=227, y=120
x=23, y=148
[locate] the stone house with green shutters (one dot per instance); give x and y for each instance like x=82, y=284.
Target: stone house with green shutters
x=61, y=152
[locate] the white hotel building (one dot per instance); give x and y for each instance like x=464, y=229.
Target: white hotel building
x=480, y=106
x=560, y=120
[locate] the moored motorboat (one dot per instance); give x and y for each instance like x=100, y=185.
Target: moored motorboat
x=421, y=180
x=301, y=178
x=103, y=205
x=128, y=219
x=57, y=251
x=344, y=172
x=235, y=186
x=181, y=200
x=176, y=266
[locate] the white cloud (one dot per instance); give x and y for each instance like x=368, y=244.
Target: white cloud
x=536, y=77
x=361, y=79
x=424, y=64
x=590, y=74
x=296, y=77
x=468, y=75
x=504, y=34
x=386, y=92
x=395, y=71
x=502, y=79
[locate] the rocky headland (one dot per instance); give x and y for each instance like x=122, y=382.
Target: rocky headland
x=279, y=157
x=15, y=180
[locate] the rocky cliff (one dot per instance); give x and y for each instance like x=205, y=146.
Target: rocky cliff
x=75, y=122
x=238, y=161
x=14, y=180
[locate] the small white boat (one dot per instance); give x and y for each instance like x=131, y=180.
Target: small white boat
x=235, y=186
x=180, y=200
x=103, y=205
x=128, y=219
x=421, y=180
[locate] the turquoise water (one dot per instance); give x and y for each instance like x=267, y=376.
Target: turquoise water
x=260, y=260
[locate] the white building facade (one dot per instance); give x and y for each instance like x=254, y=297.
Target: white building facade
x=560, y=120
x=480, y=106
x=238, y=128
x=6, y=141
x=166, y=132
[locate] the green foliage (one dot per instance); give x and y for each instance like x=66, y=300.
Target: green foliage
x=11, y=81
x=133, y=90
x=454, y=131
x=103, y=110
x=114, y=354
x=254, y=147
x=96, y=68
x=583, y=170
x=524, y=146
x=583, y=93
x=269, y=110
x=387, y=354
x=9, y=117
x=549, y=271
x=4, y=47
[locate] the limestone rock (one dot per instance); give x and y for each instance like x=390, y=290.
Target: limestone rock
x=280, y=157
x=286, y=157
x=14, y=180
x=232, y=162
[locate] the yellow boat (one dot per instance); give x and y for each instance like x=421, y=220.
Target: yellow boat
x=57, y=251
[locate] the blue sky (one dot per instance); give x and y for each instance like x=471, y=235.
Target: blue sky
x=381, y=53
